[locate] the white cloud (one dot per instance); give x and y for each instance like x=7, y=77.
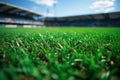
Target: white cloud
x=49, y=3
x=103, y=5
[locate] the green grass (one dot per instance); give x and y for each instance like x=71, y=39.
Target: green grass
x=60, y=53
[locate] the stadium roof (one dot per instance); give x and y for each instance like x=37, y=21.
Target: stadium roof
x=112, y=15
x=12, y=9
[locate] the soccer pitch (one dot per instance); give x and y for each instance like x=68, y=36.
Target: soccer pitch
x=60, y=53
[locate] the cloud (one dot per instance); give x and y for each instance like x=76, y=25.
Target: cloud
x=48, y=3
x=103, y=5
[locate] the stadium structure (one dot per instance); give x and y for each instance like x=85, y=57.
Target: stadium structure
x=101, y=20
x=14, y=16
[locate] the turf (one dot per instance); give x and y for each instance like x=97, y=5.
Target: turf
x=59, y=53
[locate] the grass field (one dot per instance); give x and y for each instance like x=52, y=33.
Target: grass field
x=60, y=53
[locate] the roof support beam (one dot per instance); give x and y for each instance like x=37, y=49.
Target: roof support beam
x=4, y=7
x=14, y=11
x=9, y=8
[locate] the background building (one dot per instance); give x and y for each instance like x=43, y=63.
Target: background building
x=101, y=20
x=13, y=16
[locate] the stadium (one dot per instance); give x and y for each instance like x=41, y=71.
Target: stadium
x=101, y=20
x=36, y=46
x=16, y=16
x=13, y=16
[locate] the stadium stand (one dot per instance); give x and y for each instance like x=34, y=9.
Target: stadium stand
x=101, y=20
x=13, y=16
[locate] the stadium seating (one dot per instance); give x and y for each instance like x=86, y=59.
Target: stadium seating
x=94, y=23
x=15, y=15
x=10, y=19
x=91, y=20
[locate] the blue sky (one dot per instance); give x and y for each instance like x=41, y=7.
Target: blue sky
x=68, y=7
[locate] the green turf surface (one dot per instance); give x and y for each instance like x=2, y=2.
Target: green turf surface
x=60, y=53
